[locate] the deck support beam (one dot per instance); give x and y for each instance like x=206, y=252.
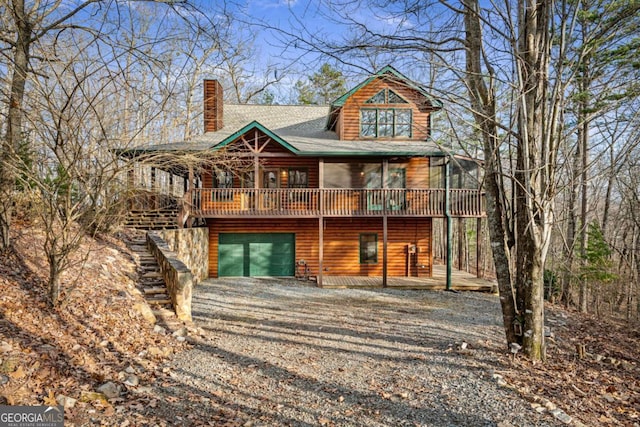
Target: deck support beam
x=192, y=185
x=320, y=224
x=447, y=214
x=479, y=239
x=320, y=251
x=385, y=234
x=385, y=239
x=153, y=188
x=461, y=243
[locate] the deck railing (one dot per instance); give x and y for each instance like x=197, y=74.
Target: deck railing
x=312, y=202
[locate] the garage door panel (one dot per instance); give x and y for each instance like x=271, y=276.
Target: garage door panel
x=231, y=259
x=262, y=254
x=271, y=259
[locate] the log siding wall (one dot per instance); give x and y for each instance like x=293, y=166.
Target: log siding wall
x=349, y=122
x=341, y=243
x=306, y=231
x=342, y=246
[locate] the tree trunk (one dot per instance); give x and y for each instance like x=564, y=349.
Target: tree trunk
x=531, y=276
x=569, y=248
x=14, y=124
x=54, y=280
x=607, y=197
x=583, y=141
x=484, y=109
x=532, y=176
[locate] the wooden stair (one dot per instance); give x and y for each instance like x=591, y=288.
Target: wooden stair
x=152, y=219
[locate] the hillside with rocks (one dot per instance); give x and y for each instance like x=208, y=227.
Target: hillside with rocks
x=97, y=355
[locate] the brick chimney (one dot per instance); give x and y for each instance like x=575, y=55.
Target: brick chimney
x=212, y=106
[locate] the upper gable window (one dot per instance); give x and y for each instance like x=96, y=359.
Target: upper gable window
x=386, y=96
x=385, y=122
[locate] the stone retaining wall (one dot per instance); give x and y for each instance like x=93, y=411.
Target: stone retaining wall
x=191, y=246
x=176, y=275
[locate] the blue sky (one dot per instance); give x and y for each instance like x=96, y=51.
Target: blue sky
x=275, y=50
x=271, y=47
x=320, y=21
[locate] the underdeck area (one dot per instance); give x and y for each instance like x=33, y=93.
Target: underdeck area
x=461, y=281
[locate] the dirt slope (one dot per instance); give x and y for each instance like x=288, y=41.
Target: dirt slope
x=60, y=355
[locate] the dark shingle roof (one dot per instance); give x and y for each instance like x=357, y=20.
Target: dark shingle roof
x=299, y=128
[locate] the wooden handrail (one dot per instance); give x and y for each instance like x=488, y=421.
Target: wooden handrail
x=345, y=202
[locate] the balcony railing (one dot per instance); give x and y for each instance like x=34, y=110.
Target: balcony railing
x=313, y=202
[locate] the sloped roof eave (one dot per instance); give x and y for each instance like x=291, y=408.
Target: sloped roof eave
x=370, y=154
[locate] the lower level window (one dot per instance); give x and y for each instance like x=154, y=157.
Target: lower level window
x=368, y=248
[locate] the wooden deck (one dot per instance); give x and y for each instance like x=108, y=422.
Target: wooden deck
x=332, y=202
x=461, y=281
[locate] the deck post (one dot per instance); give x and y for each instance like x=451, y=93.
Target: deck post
x=479, y=273
x=154, y=192
x=320, y=250
x=461, y=245
x=385, y=234
x=191, y=180
x=385, y=238
x=447, y=214
x=320, y=223
x=131, y=184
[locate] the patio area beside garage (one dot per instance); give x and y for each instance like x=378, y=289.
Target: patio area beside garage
x=461, y=281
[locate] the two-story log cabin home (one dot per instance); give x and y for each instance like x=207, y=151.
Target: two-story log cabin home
x=349, y=189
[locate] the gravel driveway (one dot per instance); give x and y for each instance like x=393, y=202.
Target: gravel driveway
x=279, y=353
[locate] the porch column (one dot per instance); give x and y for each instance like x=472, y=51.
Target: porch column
x=461, y=245
x=191, y=184
x=479, y=248
x=131, y=184
x=385, y=236
x=447, y=214
x=320, y=222
x=154, y=192
x=320, y=250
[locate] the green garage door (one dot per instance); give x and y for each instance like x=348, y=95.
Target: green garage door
x=256, y=254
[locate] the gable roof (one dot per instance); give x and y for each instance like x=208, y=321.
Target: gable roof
x=303, y=130
x=298, y=128
x=388, y=69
